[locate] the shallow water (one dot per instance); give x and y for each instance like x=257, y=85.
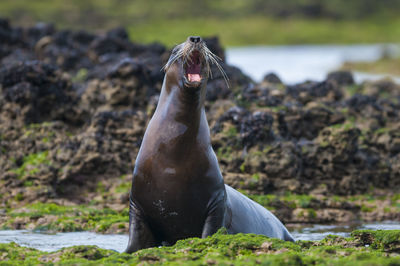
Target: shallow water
x=318, y=231
x=297, y=63
x=52, y=242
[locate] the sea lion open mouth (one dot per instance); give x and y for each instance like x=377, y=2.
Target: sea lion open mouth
x=193, y=58
x=193, y=67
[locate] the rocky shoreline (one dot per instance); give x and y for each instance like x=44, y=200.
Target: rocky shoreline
x=74, y=107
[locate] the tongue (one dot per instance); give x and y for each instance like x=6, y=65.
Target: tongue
x=194, y=77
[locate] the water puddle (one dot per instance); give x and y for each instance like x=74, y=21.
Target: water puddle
x=318, y=232
x=52, y=242
x=298, y=63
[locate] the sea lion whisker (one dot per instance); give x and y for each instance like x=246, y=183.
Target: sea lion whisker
x=223, y=73
x=212, y=54
x=172, y=60
x=214, y=59
x=209, y=70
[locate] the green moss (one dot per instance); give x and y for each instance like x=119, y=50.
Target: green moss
x=381, y=130
x=100, y=187
x=396, y=197
x=383, y=65
x=19, y=196
x=277, y=109
x=312, y=214
x=324, y=144
x=243, y=167
x=71, y=218
x=224, y=249
x=124, y=187
x=256, y=176
x=301, y=200
x=384, y=240
x=38, y=125
x=265, y=200
x=224, y=153
x=31, y=162
x=232, y=132
x=13, y=254
x=365, y=208
x=304, y=149
x=291, y=200
x=81, y=75
x=266, y=149
x=121, y=226
x=387, y=209
x=353, y=89
x=345, y=126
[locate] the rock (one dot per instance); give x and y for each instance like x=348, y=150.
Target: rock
x=35, y=92
x=342, y=78
x=297, y=122
x=326, y=91
x=272, y=78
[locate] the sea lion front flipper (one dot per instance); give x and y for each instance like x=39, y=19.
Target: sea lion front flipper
x=216, y=215
x=140, y=235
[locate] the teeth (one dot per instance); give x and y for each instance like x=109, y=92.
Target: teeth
x=194, y=77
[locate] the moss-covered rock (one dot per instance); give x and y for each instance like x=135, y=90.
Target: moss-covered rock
x=53, y=217
x=388, y=241
x=113, y=218
x=224, y=249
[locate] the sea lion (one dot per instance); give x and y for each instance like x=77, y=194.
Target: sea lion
x=177, y=187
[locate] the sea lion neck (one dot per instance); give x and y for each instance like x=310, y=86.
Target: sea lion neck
x=184, y=105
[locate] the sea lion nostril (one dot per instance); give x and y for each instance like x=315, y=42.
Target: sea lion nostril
x=195, y=39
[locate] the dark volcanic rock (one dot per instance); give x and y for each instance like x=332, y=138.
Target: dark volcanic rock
x=35, y=92
x=272, y=78
x=106, y=148
x=327, y=90
x=252, y=127
x=341, y=77
x=297, y=122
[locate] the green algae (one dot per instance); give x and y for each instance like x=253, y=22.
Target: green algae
x=291, y=200
x=99, y=218
x=31, y=163
x=124, y=187
x=69, y=218
x=13, y=254
x=386, y=65
x=384, y=240
x=80, y=76
x=306, y=201
x=364, y=247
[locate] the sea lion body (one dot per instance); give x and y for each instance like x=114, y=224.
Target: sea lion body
x=247, y=216
x=177, y=187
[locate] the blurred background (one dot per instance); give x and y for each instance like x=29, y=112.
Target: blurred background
x=236, y=22
x=246, y=23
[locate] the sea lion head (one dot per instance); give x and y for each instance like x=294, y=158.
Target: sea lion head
x=189, y=63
